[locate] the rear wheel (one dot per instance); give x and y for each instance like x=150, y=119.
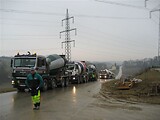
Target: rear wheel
x=84, y=79
x=63, y=83
x=66, y=82
x=78, y=80
x=45, y=85
x=81, y=79
x=53, y=84
x=20, y=89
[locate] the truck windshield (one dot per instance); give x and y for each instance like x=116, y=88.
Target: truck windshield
x=102, y=72
x=24, y=62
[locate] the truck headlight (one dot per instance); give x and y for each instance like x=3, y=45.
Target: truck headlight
x=105, y=76
x=100, y=76
x=74, y=78
x=13, y=82
x=14, y=71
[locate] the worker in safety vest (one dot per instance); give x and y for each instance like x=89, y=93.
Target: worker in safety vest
x=34, y=82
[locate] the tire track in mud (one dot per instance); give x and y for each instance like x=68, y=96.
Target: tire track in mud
x=107, y=102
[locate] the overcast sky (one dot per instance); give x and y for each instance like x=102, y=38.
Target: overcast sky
x=106, y=31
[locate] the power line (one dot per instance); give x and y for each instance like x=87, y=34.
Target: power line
x=30, y=12
x=110, y=17
x=29, y=35
x=40, y=49
x=28, y=20
x=157, y=7
x=110, y=37
x=77, y=15
x=27, y=24
x=120, y=4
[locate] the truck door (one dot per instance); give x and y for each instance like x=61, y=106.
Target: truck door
x=41, y=64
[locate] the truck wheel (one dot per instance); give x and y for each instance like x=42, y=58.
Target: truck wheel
x=66, y=82
x=53, y=84
x=63, y=83
x=78, y=80
x=85, y=79
x=20, y=90
x=45, y=85
x=81, y=79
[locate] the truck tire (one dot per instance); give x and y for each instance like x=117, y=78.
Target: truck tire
x=20, y=90
x=78, y=80
x=84, y=79
x=87, y=79
x=45, y=86
x=66, y=82
x=53, y=84
x=63, y=83
x=81, y=79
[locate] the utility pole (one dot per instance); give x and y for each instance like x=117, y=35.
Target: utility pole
x=155, y=10
x=145, y=3
x=1, y=30
x=67, y=30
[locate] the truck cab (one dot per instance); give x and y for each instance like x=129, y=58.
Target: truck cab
x=21, y=65
x=92, y=73
x=73, y=71
x=77, y=70
x=103, y=74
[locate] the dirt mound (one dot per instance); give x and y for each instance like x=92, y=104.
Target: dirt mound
x=145, y=91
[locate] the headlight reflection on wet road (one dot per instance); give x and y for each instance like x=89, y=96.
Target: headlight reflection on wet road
x=74, y=94
x=74, y=90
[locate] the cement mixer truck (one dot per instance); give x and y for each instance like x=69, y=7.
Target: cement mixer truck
x=52, y=68
x=77, y=72
x=92, y=73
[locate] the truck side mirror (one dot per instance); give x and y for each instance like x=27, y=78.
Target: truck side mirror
x=36, y=68
x=11, y=63
x=87, y=70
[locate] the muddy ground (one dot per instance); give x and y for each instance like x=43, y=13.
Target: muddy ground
x=144, y=91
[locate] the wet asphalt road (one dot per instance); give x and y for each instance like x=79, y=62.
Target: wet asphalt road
x=75, y=102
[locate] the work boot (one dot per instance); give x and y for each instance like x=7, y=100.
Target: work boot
x=35, y=107
x=38, y=104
